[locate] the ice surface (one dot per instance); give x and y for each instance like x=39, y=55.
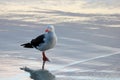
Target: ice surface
x=88, y=46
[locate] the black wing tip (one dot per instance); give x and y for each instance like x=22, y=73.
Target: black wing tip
x=27, y=45
x=22, y=45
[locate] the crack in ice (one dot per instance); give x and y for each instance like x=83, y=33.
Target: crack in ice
x=86, y=60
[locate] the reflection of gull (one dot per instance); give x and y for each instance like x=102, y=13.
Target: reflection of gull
x=43, y=42
x=82, y=61
x=39, y=74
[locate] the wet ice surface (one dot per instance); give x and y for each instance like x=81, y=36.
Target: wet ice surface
x=88, y=45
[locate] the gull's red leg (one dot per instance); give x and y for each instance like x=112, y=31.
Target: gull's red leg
x=44, y=59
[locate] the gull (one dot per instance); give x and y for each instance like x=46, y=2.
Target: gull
x=43, y=42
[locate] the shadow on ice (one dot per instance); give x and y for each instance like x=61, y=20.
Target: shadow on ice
x=39, y=74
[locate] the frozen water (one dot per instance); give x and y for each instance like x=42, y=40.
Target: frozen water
x=88, y=45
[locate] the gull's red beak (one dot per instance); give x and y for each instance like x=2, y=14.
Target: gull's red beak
x=46, y=30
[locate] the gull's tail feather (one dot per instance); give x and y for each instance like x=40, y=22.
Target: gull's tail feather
x=27, y=45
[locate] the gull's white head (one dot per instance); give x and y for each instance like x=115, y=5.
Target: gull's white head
x=50, y=28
